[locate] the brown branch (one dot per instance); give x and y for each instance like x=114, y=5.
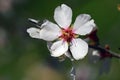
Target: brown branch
x=105, y=52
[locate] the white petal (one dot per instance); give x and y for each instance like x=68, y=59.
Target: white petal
x=58, y=48
x=86, y=28
x=83, y=25
x=79, y=49
x=34, y=32
x=63, y=16
x=49, y=44
x=49, y=31
x=95, y=53
x=81, y=20
x=33, y=20
x=69, y=55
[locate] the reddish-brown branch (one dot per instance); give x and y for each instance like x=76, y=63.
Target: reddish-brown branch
x=106, y=53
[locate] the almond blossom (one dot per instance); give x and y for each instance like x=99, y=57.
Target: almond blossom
x=64, y=35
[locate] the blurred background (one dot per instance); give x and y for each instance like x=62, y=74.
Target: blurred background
x=25, y=58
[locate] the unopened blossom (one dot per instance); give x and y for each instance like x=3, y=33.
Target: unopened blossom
x=64, y=35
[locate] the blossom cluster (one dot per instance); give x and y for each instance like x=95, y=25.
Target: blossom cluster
x=64, y=36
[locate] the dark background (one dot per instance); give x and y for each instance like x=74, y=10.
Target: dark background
x=25, y=58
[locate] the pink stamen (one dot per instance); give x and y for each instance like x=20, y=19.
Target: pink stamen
x=67, y=34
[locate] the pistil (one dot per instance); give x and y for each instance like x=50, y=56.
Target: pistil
x=67, y=34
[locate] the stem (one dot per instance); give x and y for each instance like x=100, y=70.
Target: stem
x=73, y=71
x=113, y=54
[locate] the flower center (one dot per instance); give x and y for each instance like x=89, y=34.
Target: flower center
x=68, y=34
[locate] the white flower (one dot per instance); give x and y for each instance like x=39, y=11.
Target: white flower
x=65, y=35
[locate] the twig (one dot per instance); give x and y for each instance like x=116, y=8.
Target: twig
x=73, y=71
x=103, y=50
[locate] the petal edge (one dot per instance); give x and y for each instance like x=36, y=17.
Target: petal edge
x=63, y=16
x=58, y=48
x=79, y=49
